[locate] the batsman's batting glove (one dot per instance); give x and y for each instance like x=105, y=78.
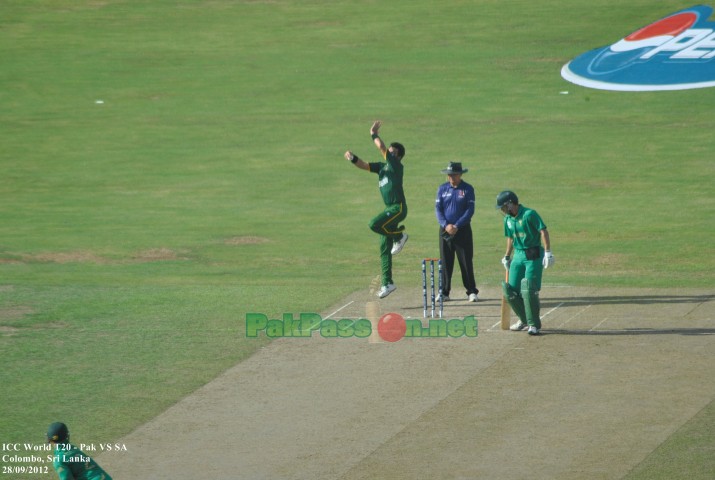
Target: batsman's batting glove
x=506, y=261
x=548, y=259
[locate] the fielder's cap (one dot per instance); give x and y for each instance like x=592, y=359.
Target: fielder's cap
x=455, y=167
x=58, y=432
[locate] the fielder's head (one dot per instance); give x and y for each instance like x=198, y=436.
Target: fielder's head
x=508, y=203
x=397, y=150
x=58, y=433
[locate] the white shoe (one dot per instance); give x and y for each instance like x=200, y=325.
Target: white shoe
x=533, y=331
x=473, y=297
x=443, y=298
x=397, y=247
x=386, y=290
x=518, y=327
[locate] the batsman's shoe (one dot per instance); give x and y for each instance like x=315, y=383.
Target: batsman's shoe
x=397, y=247
x=518, y=327
x=386, y=290
x=533, y=331
x=473, y=297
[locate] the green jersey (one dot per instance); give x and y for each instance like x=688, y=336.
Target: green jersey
x=524, y=229
x=390, y=175
x=72, y=464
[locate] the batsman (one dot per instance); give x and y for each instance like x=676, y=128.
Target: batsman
x=527, y=239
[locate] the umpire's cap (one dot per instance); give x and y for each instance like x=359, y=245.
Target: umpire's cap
x=506, y=197
x=455, y=167
x=58, y=432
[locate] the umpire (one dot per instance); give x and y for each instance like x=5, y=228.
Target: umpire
x=454, y=208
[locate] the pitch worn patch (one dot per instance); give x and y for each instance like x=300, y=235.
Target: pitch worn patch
x=159, y=254
x=246, y=240
x=156, y=255
x=14, y=312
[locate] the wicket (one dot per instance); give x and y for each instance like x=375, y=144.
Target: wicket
x=432, y=292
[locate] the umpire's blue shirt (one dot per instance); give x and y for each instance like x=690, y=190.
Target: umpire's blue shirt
x=455, y=205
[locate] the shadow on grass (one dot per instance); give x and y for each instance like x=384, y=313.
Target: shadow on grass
x=629, y=300
x=632, y=331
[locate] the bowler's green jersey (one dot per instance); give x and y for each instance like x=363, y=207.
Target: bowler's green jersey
x=73, y=464
x=390, y=175
x=524, y=229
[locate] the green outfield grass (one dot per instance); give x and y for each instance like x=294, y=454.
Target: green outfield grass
x=136, y=233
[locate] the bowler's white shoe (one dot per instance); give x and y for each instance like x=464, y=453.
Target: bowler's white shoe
x=518, y=327
x=386, y=290
x=473, y=297
x=397, y=246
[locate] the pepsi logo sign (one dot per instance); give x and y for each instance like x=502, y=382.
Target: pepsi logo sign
x=674, y=53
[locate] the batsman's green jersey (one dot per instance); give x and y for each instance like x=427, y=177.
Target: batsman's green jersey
x=390, y=173
x=73, y=464
x=524, y=229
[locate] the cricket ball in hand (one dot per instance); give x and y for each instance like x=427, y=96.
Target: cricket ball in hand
x=391, y=327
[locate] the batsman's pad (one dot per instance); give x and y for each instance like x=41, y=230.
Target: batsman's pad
x=531, y=302
x=514, y=300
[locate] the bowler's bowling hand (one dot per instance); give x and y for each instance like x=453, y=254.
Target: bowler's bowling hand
x=375, y=127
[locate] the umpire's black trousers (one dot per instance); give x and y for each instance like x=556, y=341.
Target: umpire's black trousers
x=461, y=245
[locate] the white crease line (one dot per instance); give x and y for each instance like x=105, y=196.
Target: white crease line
x=597, y=325
x=493, y=326
x=341, y=308
x=550, y=311
x=576, y=315
x=542, y=317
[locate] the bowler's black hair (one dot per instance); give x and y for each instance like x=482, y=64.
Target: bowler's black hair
x=399, y=147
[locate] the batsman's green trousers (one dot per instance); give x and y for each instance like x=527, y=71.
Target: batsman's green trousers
x=525, y=278
x=522, y=268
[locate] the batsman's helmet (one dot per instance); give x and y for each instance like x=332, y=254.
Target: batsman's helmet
x=506, y=197
x=58, y=432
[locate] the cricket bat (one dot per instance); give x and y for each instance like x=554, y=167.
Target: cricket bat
x=505, y=309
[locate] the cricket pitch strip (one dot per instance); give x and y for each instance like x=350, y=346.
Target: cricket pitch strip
x=614, y=374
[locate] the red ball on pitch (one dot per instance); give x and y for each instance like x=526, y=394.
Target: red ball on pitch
x=391, y=327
